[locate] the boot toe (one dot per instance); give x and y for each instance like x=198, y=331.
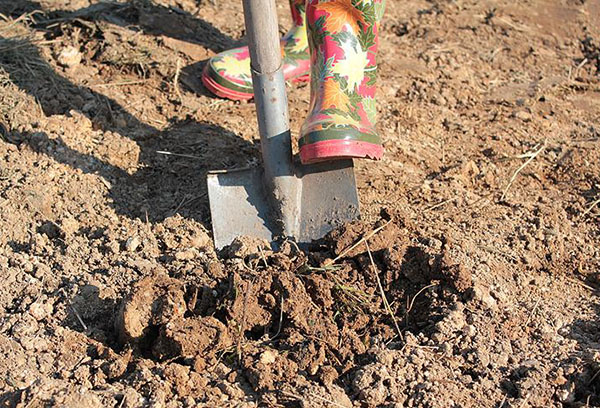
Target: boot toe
x=339, y=142
x=228, y=76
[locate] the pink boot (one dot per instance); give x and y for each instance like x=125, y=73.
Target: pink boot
x=343, y=41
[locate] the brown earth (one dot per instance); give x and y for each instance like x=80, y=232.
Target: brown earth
x=113, y=295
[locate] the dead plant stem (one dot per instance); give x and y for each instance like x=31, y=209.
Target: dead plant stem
x=79, y=317
x=301, y=398
x=360, y=241
x=176, y=80
x=537, y=303
x=440, y=204
x=532, y=156
x=381, y=291
x=412, y=301
x=590, y=208
x=188, y=156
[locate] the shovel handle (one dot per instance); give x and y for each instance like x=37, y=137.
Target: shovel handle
x=263, y=35
x=272, y=113
x=269, y=85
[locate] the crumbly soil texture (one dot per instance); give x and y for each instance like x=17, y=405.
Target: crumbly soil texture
x=472, y=279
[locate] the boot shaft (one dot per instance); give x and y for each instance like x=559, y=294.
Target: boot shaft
x=342, y=32
x=228, y=74
x=343, y=38
x=298, y=9
x=295, y=41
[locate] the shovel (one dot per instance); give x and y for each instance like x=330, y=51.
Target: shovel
x=284, y=199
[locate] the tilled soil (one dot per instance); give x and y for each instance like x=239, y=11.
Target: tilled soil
x=472, y=280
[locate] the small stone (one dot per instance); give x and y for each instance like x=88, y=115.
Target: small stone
x=120, y=121
x=28, y=267
x=132, y=243
x=482, y=294
x=469, y=330
x=113, y=246
x=470, y=169
x=69, y=57
x=42, y=270
x=186, y=255
x=221, y=370
x=455, y=320
x=244, y=246
x=438, y=338
x=40, y=310
x=566, y=394
x=523, y=115
x=131, y=399
x=267, y=357
x=446, y=348
x=200, y=240
x=70, y=225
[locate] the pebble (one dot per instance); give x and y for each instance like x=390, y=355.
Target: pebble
x=469, y=330
x=523, y=115
x=267, y=357
x=70, y=225
x=132, y=243
x=40, y=310
x=120, y=121
x=113, y=246
x=69, y=57
x=566, y=393
x=186, y=255
x=446, y=348
x=42, y=270
x=483, y=295
x=28, y=267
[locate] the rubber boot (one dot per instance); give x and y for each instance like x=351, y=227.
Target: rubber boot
x=228, y=74
x=343, y=39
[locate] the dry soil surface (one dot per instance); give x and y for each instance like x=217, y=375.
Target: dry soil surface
x=479, y=286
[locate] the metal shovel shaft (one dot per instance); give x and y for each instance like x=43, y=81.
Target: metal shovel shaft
x=282, y=199
x=272, y=112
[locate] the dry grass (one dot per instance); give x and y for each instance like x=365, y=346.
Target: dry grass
x=382, y=292
x=22, y=69
x=357, y=243
x=531, y=156
x=590, y=208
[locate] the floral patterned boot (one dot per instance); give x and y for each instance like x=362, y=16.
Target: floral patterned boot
x=228, y=74
x=343, y=40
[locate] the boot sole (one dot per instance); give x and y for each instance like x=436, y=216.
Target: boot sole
x=224, y=92
x=339, y=149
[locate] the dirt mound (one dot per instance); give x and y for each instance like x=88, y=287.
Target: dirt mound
x=200, y=337
x=280, y=315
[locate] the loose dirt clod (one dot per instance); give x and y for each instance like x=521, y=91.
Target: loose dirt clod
x=155, y=300
x=69, y=57
x=200, y=337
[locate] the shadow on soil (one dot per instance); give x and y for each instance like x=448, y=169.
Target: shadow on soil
x=161, y=186
x=582, y=369
x=89, y=306
x=144, y=15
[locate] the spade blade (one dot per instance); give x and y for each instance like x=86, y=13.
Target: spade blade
x=329, y=199
x=242, y=205
x=239, y=206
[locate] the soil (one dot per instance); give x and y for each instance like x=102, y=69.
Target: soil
x=480, y=283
